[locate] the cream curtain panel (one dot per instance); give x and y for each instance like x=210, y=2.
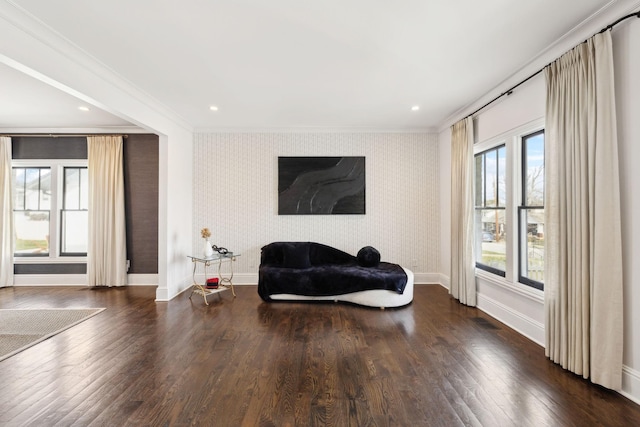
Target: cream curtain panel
x=463, y=281
x=107, y=250
x=6, y=210
x=583, y=262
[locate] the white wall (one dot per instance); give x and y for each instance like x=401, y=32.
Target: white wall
x=175, y=213
x=626, y=45
x=236, y=196
x=444, y=149
x=521, y=309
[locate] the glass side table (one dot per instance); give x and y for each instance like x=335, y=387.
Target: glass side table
x=224, y=280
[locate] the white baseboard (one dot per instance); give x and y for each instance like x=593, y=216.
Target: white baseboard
x=526, y=326
x=162, y=293
x=142, y=279
x=443, y=280
x=425, y=278
x=631, y=384
x=76, y=279
x=49, y=280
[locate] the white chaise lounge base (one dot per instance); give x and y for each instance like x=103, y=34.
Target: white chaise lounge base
x=372, y=298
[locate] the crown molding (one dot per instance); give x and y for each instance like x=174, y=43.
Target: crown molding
x=313, y=129
x=82, y=131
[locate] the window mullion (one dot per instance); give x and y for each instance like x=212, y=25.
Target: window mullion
x=510, y=182
x=79, y=188
x=484, y=180
x=497, y=186
x=24, y=188
x=54, y=214
x=39, y=188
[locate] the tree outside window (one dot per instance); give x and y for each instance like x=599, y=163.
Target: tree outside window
x=490, y=204
x=531, y=211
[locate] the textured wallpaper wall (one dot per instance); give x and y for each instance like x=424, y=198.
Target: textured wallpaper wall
x=236, y=195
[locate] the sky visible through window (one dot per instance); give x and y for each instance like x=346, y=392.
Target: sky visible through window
x=535, y=170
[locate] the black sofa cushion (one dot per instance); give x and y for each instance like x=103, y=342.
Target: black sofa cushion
x=295, y=256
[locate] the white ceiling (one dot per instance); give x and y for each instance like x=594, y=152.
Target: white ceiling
x=293, y=63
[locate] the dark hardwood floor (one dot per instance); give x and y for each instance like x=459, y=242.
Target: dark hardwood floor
x=243, y=362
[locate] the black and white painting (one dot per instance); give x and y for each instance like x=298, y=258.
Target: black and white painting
x=321, y=185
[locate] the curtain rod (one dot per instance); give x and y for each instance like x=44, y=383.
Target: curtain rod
x=510, y=91
x=59, y=135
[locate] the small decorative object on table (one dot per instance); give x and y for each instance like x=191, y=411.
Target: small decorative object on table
x=208, y=249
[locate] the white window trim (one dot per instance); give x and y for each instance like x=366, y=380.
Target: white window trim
x=57, y=166
x=511, y=140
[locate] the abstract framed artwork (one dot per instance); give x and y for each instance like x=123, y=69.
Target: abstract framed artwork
x=321, y=185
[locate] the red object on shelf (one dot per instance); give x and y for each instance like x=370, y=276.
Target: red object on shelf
x=212, y=283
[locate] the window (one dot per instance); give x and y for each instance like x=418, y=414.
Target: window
x=490, y=196
x=74, y=216
x=531, y=211
x=32, y=210
x=509, y=206
x=50, y=208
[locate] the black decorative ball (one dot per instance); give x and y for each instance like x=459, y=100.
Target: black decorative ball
x=368, y=257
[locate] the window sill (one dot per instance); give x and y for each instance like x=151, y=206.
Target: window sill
x=518, y=288
x=48, y=260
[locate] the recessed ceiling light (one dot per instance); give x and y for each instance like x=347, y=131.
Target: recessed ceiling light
x=83, y=108
x=213, y=108
x=415, y=108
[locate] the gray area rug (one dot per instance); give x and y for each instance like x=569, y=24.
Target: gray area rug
x=22, y=328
